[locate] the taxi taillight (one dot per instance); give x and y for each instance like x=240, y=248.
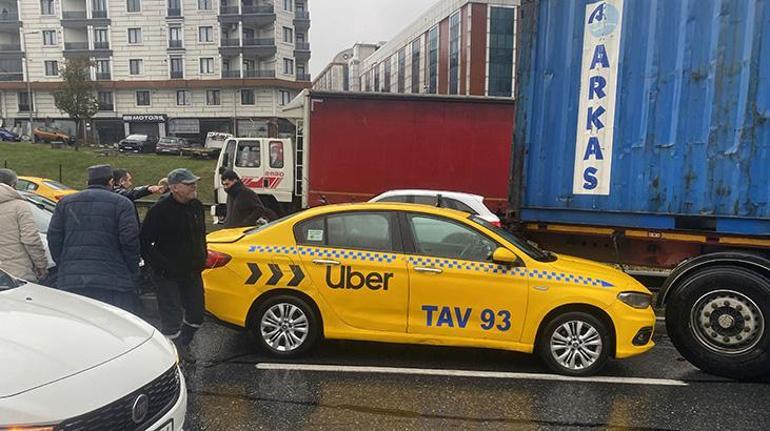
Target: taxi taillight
x=215, y=259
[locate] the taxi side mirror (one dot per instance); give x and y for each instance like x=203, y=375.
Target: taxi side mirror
x=504, y=256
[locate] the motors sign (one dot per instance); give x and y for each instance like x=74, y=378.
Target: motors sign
x=144, y=118
x=598, y=84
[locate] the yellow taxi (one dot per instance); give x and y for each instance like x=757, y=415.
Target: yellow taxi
x=44, y=187
x=405, y=273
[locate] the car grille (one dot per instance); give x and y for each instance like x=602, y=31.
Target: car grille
x=162, y=392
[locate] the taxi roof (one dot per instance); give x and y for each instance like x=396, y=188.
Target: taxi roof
x=391, y=206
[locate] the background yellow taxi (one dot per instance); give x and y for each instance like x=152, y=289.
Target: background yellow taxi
x=45, y=187
x=416, y=274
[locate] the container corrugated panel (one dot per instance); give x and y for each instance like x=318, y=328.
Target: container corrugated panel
x=692, y=118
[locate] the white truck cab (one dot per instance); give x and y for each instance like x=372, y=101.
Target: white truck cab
x=265, y=165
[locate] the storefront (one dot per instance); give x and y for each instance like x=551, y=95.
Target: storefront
x=145, y=124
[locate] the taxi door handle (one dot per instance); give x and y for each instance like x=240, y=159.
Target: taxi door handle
x=426, y=269
x=325, y=262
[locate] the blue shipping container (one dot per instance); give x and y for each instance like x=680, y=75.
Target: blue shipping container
x=691, y=140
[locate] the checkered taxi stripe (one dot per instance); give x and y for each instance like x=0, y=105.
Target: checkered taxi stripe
x=366, y=256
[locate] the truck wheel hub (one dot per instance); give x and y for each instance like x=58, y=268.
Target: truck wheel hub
x=727, y=322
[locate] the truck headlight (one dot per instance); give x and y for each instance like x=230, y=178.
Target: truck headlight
x=635, y=299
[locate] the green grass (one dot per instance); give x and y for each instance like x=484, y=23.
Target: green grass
x=40, y=160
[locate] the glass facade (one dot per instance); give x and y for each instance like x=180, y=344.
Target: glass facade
x=454, y=54
x=433, y=60
x=401, y=83
x=501, y=34
x=386, y=78
x=416, y=66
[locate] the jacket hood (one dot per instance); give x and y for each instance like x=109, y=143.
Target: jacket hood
x=235, y=189
x=8, y=193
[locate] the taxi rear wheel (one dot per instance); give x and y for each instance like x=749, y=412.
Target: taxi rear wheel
x=285, y=326
x=575, y=343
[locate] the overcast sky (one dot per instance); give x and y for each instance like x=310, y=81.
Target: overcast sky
x=338, y=24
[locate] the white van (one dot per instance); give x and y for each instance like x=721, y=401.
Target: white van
x=265, y=165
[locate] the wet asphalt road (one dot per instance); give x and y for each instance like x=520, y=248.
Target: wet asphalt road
x=228, y=392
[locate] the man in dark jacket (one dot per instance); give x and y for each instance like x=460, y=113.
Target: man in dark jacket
x=124, y=186
x=173, y=241
x=93, y=237
x=244, y=207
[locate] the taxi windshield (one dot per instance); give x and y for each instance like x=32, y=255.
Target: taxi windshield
x=527, y=247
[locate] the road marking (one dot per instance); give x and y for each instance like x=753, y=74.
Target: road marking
x=469, y=373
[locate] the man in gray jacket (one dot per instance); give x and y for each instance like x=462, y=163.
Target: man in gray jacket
x=21, y=251
x=94, y=240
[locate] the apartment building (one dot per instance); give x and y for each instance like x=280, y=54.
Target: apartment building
x=457, y=47
x=163, y=67
x=344, y=72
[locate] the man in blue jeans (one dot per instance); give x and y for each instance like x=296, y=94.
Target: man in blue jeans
x=173, y=243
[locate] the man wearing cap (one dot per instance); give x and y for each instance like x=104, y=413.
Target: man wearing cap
x=173, y=239
x=94, y=240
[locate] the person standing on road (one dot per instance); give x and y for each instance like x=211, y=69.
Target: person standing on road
x=21, y=251
x=173, y=239
x=244, y=207
x=124, y=186
x=94, y=240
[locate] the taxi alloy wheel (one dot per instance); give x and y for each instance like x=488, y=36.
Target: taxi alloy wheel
x=286, y=326
x=575, y=344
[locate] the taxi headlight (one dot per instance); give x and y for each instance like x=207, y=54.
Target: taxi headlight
x=635, y=299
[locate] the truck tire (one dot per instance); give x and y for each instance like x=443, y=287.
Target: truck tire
x=717, y=319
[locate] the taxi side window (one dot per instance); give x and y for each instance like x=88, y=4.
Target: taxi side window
x=361, y=230
x=311, y=232
x=438, y=237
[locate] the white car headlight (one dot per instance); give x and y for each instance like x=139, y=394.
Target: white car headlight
x=635, y=299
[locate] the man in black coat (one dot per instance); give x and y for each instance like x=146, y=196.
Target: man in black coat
x=173, y=239
x=94, y=240
x=244, y=207
x=123, y=184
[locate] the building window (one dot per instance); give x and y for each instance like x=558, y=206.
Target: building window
x=416, y=66
x=25, y=104
x=213, y=98
x=99, y=8
x=52, y=68
x=177, y=67
x=204, y=4
x=134, y=5
x=182, y=97
x=175, y=37
x=46, y=7
x=100, y=38
x=205, y=34
x=49, y=37
x=247, y=97
x=367, y=82
x=288, y=66
x=105, y=101
x=288, y=5
x=454, y=54
x=433, y=60
x=102, y=69
x=134, y=35
x=377, y=77
x=143, y=98
x=386, y=76
x=135, y=67
x=207, y=65
x=501, y=31
x=401, y=70
x=288, y=35
x=285, y=97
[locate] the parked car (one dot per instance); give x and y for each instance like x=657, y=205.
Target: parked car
x=138, y=143
x=172, y=145
x=466, y=202
x=50, y=134
x=7, y=135
x=42, y=211
x=47, y=188
x=70, y=362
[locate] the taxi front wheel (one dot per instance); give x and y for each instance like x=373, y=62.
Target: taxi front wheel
x=575, y=344
x=286, y=326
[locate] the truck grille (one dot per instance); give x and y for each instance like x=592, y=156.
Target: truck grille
x=162, y=393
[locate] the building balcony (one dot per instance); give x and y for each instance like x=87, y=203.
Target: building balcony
x=258, y=42
x=103, y=76
x=229, y=10
x=230, y=42
x=302, y=15
x=230, y=74
x=259, y=73
x=23, y=108
x=177, y=75
x=76, y=46
x=11, y=76
x=99, y=14
x=303, y=77
x=257, y=9
x=106, y=107
x=174, y=13
x=12, y=15
x=101, y=45
x=80, y=14
x=302, y=46
x=10, y=47
x=175, y=44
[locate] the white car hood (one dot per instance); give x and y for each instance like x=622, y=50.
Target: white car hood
x=47, y=335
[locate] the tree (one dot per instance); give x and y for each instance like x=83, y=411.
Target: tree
x=77, y=94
